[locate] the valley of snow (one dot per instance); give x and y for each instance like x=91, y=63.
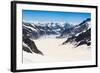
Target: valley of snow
x=54, y=51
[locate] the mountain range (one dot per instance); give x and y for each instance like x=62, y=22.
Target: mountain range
x=79, y=34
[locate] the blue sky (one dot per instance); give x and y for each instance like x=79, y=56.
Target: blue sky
x=52, y=16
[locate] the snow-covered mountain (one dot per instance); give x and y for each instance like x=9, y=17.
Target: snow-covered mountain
x=75, y=30
x=29, y=30
x=80, y=34
x=37, y=30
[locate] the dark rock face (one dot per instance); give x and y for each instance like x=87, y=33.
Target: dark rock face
x=84, y=42
x=82, y=38
x=26, y=49
x=71, y=39
x=31, y=45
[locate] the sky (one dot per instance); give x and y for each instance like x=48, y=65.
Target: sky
x=54, y=16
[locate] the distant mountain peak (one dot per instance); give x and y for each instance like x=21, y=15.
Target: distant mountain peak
x=87, y=20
